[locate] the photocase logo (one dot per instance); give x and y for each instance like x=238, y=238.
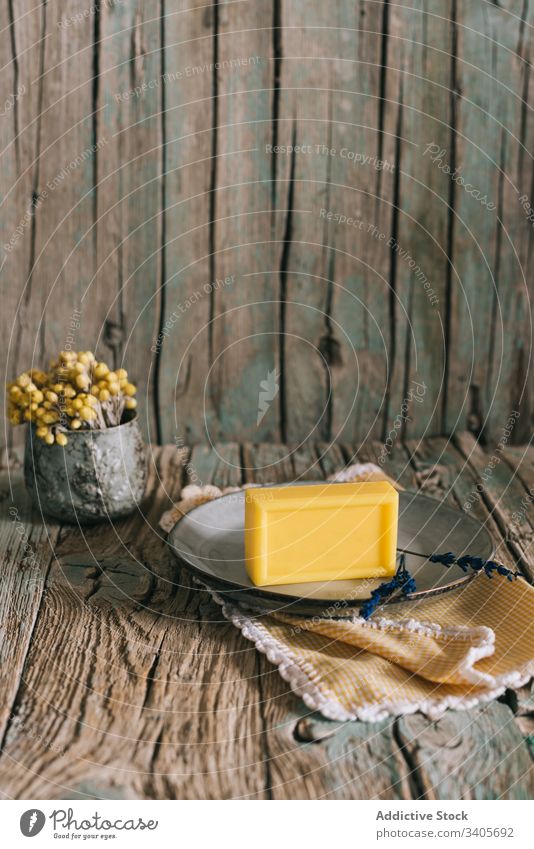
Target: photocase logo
x=32, y=822
x=268, y=392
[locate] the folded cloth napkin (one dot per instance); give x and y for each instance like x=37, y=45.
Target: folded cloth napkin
x=455, y=650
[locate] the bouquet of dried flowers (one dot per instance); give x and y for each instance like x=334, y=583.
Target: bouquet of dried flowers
x=77, y=392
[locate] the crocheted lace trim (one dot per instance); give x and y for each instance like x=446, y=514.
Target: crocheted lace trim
x=302, y=678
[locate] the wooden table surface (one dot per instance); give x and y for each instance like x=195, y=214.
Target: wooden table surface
x=120, y=680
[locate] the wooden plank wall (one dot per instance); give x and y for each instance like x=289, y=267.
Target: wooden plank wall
x=141, y=199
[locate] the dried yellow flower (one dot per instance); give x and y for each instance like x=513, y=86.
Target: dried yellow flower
x=76, y=393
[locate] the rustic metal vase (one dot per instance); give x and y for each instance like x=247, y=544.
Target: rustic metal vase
x=98, y=475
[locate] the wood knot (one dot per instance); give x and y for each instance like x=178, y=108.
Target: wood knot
x=330, y=349
x=113, y=335
x=137, y=50
x=207, y=17
x=310, y=730
x=433, y=477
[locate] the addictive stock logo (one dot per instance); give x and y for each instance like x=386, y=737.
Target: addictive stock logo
x=32, y=822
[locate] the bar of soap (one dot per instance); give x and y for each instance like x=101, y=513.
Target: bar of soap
x=323, y=532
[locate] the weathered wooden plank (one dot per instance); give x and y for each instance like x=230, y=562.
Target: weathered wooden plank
x=419, y=77
x=524, y=241
x=521, y=701
x=512, y=319
x=477, y=754
x=267, y=463
x=220, y=464
x=441, y=471
x=504, y=494
x=327, y=69
x=331, y=457
x=457, y=756
x=423, y=50
x=353, y=760
x=301, y=181
x=307, y=756
x=306, y=462
x=26, y=549
x=184, y=409
x=103, y=590
x=22, y=46
x=367, y=79
x=487, y=286
x=362, y=174
x=125, y=294
x=394, y=461
x=243, y=338
x=64, y=245
x=158, y=726
x=521, y=460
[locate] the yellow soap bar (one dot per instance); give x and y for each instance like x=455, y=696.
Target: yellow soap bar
x=323, y=532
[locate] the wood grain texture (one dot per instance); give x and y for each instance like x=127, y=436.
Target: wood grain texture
x=489, y=246
x=197, y=242
x=362, y=175
x=182, y=358
x=21, y=52
x=64, y=245
x=105, y=610
x=26, y=548
x=124, y=681
x=244, y=335
x=421, y=46
x=506, y=497
x=126, y=294
x=303, y=176
x=479, y=754
x=482, y=754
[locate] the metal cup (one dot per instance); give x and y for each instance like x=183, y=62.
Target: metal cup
x=98, y=475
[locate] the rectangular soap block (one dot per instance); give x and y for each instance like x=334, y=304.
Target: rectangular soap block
x=323, y=532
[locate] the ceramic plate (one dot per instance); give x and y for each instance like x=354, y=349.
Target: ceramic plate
x=209, y=540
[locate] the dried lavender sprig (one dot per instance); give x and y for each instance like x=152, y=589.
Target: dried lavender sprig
x=477, y=564
x=405, y=582
x=466, y=562
x=402, y=580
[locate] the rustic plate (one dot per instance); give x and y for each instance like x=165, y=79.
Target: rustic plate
x=209, y=540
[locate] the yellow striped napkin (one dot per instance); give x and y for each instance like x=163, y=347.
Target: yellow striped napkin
x=455, y=650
